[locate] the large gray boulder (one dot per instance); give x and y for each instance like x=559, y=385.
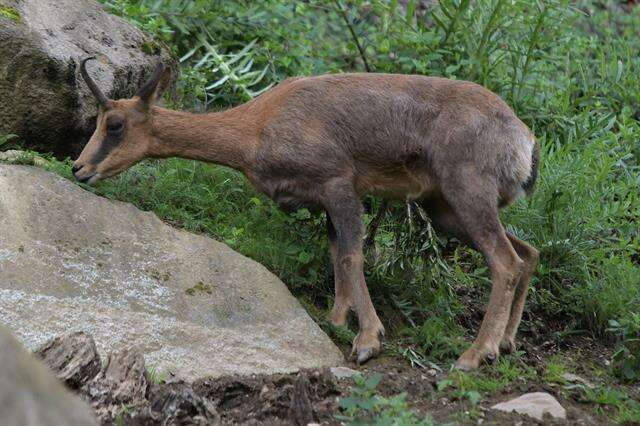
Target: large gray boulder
x=29, y=393
x=73, y=261
x=44, y=100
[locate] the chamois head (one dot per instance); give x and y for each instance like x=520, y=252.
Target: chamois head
x=123, y=129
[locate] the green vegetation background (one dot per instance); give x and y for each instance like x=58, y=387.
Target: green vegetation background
x=571, y=71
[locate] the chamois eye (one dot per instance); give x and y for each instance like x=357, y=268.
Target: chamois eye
x=115, y=127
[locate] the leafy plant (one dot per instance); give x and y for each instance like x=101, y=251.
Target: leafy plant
x=6, y=138
x=365, y=406
x=440, y=339
x=234, y=68
x=626, y=359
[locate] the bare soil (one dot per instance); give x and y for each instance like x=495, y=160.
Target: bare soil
x=123, y=392
x=311, y=396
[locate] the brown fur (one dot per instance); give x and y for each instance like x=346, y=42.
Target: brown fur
x=324, y=142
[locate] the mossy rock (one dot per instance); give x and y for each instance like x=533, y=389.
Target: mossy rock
x=44, y=101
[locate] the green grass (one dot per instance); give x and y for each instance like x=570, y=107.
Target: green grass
x=5, y=139
x=626, y=410
x=604, y=397
x=156, y=377
x=571, y=72
x=494, y=378
x=556, y=367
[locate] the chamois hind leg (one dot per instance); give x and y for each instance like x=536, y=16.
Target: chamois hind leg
x=345, y=210
x=443, y=218
x=473, y=199
x=530, y=256
x=445, y=221
x=343, y=301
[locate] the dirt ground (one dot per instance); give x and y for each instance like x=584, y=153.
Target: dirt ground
x=124, y=391
x=312, y=396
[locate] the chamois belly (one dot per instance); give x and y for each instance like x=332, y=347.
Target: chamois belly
x=291, y=194
x=405, y=184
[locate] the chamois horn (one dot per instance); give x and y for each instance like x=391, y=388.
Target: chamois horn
x=149, y=88
x=102, y=99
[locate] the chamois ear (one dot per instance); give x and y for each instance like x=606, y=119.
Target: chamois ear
x=152, y=90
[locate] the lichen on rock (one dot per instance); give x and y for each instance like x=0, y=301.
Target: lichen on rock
x=10, y=13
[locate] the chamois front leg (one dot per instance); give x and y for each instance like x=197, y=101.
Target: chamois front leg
x=345, y=212
x=343, y=301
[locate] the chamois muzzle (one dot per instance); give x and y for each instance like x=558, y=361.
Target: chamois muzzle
x=102, y=99
x=90, y=178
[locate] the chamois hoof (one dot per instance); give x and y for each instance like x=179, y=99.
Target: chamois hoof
x=365, y=355
x=508, y=346
x=472, y=358
x=363, y=351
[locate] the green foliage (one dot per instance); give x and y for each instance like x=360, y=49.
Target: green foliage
x=365, y=406
x=470, y=386
x=627, y=408
x=629, y=413
x=626, y=359
x=156, y=377
x=571, y=72
x=235, y=68
x=340, y=334
x=556, y=367
x=438, y=338
x=10, y=13
x=5, y=139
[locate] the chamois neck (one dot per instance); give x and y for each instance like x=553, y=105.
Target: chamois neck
x=227, y=138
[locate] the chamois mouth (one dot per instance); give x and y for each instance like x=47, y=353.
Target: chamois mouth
x=89, y=180
x=93, y=178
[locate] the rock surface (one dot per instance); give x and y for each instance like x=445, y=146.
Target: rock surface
x=44, y=100
x=574, y=378
x=72, y=261
x=122, y=381
x=535, y=405
x=122, y=392
x=73, y=358
x=343, y=372
x=177, y=403
x=30, y=395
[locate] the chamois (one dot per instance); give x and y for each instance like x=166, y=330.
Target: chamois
x=324, y=142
